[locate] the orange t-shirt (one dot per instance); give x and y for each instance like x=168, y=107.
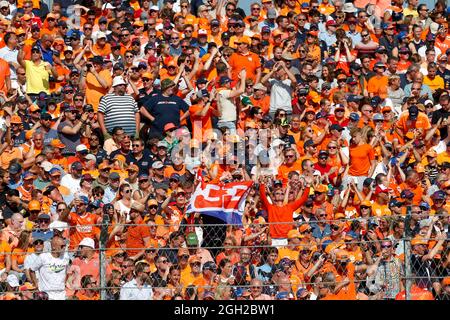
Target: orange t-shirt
x=281, y=214
x=5, y=249
x=250, y=62
x=82, y=227
x=94, y=91
x=4, y=73
x=201, y=125
x=378, y=86
x=360, y=159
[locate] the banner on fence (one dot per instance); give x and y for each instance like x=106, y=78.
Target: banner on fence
x=223, y=201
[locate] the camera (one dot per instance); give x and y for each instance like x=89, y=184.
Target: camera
x=89, y=66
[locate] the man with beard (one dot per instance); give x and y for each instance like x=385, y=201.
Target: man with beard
x=138, y=288
x=45, y=127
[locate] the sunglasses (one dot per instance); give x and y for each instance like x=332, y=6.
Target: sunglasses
x=335, y=228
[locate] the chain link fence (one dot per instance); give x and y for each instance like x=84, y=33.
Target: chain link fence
x=217, y=261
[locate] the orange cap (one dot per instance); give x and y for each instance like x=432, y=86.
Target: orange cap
x=34, y=108
x=366, y=203
x=34, y=205
x=28, y=134
x=321, y=188
x=446, y=281
x=103, y=165
x=152, y=202
x=194, y=258
x=342, y=255
x=245, y=39
x=138, y=23
x=26, y=17
x=133, y=167
x=56, y=143
x=20, y=31
x=147, y=75
x=16, y=119
x=304, y=227
x=172, y=63
x=431, y=153
x=120, y=158
x=418, y=240
x=51, y=16
x=294, y=234
x=276, y=32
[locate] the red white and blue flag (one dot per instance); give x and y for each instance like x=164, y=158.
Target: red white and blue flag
x=223, y=201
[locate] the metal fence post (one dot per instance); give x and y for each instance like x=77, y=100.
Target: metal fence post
x=408, y=273
x=102, y=246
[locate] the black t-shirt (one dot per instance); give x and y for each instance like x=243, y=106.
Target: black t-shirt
x=144, y=163
x=165, y=110
x=436, y=116
x=424, y=271
x=116, y=152
x=446, y=76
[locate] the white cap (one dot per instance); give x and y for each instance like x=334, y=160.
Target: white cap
x=81, y=147
x=118, y=81
x=428, y=101
x=277, y=142
x=91, y=157
x=202, y=32
x=12, y=280
x=108, y=6
x=87, y=242
x=100, y=35
x=157, y=165
x=4, y=4
x=317, y=173
x=46, y=165
x=155, y=8
x=58, y=225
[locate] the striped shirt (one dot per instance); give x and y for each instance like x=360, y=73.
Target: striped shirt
x=119, y=111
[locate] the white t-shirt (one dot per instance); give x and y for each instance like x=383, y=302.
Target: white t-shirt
x=130, y=291
x=52, y=274
x=226, y=107
x=71, y=183
x=280, y=95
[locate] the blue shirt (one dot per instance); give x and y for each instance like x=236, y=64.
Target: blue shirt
x=317, y=233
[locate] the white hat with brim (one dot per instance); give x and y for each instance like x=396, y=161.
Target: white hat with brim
x=87, y=242
x=117, y=81
x=12, y=280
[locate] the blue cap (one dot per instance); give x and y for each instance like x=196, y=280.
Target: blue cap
x=282, y=295
x=440, y=194
x=424, y=205
x=402, y=35
x=395, y=203
x=84, y=199
x=407, y=194
x=224, y=80
x=354, y=116
x=353, y=98
x=54, y=170
x=378, y=117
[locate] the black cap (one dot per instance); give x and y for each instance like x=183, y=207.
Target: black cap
x=367, y=182
x=336, y=127
x=309, y=143
x=97, y=59
x=413, y=112
x=323, y=153
x=46, y=116
x=277, y=182
x=226, y=35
